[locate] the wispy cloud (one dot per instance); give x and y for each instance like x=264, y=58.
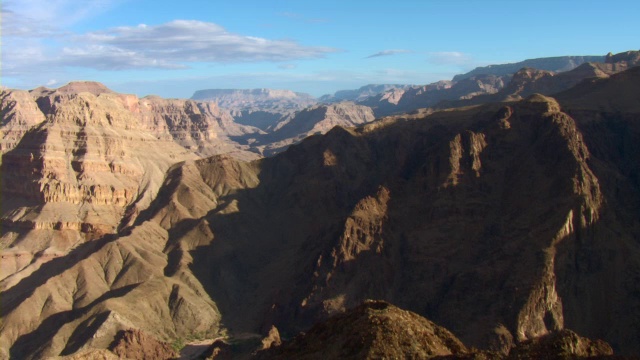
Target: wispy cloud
x=173, y=45
x=287, y=66
x=176, y=43
x=388, y=52
x=449, y=58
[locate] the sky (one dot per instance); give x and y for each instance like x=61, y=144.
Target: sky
x=173, y=48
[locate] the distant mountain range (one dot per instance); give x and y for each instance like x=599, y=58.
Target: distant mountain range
x=261, y=108
x=555, y=64
x=362, y=93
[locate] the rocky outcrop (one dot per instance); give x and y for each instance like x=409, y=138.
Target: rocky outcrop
x=564, y=344
x=373, y=330
x=377, y=329
x=135, y=344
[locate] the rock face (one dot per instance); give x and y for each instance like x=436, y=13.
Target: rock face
x=261, y=108
x=201, y=127
x=81, y=160
x=77, y=175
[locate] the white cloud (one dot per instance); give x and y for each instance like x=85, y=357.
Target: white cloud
x=388, y=52
x=176, y=43
x=449, y=58
x=172, y=45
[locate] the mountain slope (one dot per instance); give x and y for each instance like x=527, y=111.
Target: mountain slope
x=490, y=220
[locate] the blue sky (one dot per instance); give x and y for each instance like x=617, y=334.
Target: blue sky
x=172, y=48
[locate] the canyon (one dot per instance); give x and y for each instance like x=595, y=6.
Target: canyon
x=503, y=207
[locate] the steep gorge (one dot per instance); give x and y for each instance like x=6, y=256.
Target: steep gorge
x=493, y=221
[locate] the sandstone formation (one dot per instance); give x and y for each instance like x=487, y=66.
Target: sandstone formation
x=85, y=170
x=201, y=127
x=81, y=160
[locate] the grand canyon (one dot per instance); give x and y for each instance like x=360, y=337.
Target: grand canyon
x=492, y=216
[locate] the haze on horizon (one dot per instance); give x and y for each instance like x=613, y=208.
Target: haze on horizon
x=172, y=48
